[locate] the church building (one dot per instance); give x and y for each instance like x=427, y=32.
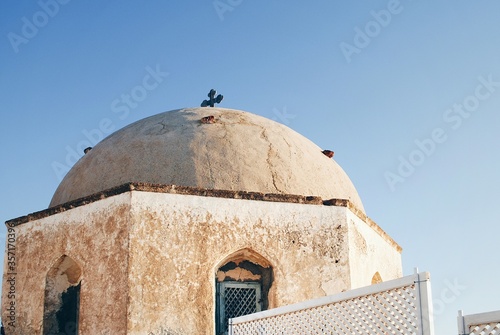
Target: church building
x=182, y=220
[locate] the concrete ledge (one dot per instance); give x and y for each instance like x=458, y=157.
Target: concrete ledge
x=174, y=189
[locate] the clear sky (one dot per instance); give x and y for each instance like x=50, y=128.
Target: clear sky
x=407, y=94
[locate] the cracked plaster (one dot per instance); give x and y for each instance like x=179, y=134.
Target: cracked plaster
x=239, y=152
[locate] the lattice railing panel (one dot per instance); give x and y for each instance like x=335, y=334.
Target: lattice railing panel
x=485, y=329
x=393, y=311
x=239, y=301
x=479, y=324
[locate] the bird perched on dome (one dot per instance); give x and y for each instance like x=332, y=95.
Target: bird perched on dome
x=328, y=153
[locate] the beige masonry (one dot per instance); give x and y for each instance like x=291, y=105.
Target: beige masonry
x=95, y=237
x=149, y=260
x=156, y=221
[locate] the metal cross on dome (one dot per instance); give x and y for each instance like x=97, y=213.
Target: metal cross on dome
x=212, y=99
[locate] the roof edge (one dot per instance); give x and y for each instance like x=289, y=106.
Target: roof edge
x=187, y=190
x=162, y=188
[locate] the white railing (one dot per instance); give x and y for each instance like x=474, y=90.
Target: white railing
x=400, y=306
x=475, y=324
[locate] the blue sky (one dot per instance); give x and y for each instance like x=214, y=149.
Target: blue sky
x=407, y=94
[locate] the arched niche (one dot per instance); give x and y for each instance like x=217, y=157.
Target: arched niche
x=376, y=278
x=243, y=280
x=62, y=297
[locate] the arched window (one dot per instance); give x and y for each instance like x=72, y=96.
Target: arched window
x=62, y=297
x=243, y=281
x=376, y=278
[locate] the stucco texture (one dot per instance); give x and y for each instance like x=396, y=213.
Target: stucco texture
x=240, y=151
x=95, y=236
x=370, y=253
x=149, y=260
x=178, y=242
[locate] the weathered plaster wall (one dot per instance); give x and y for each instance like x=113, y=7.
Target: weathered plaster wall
x=177, y=243
x=149, y=260
x=241, y=151
x=370, y=252
x=94, y=236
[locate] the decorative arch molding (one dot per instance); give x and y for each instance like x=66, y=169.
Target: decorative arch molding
x=62, y=297
x=246, y=254
x=243, y=280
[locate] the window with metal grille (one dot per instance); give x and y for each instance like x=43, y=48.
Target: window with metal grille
x=237, y=299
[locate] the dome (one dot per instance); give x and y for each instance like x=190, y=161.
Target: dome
x=234, y=150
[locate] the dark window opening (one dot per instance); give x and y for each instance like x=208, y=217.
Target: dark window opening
x=237, y=299
x=62, y=298
x=67, y=315
x=242, y=288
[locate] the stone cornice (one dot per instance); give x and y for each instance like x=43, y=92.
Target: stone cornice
x=185, y=190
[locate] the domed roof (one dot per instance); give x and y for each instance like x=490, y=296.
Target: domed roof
x=239, y=151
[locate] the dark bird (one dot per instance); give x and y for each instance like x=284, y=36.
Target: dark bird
x=328, y=153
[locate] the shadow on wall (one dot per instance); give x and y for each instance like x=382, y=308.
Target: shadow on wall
x=62, y=297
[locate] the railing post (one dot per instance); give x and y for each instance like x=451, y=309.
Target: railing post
x=461, y=323
x=425, y=301
x=230, y=328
